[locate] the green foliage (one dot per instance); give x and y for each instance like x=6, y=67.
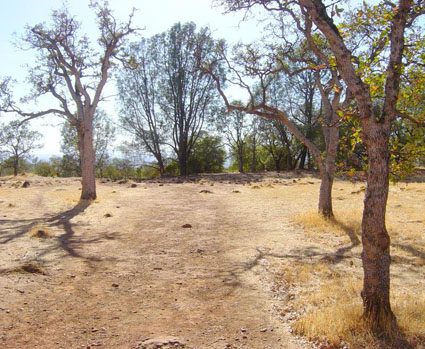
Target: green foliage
x=45, y=169
x=172, y=167
x=165, y=100
x=119, y=168
x=351, y=150
x=17, y=141
x=208, y=155
x=147, y=171
x=368, y=28
x=261, y=156
x=7, y=166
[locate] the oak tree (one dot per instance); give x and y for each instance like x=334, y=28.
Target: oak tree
x=74, y=72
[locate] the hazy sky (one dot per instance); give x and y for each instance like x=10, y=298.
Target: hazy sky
x=153, y=16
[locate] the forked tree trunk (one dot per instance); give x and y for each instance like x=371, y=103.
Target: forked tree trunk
x=87, y=155
x=375, y=238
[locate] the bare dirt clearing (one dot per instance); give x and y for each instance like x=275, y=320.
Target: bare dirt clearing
x=168, y=263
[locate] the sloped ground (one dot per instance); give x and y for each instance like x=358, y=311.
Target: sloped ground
x=158, y=264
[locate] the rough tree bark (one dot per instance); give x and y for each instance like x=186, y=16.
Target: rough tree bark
x=327, y=174
x=87, y=156
x=376, y=241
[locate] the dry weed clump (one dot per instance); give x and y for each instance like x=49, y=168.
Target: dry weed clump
x=27, y=268
x=40, y=232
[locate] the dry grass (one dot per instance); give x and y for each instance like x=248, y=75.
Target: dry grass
x=335, y=308
x=27, y=268
x=347, y=223
x=40, y=232
x=328, y=301
x=409, y=308
x=67, y=197
x=334, y=314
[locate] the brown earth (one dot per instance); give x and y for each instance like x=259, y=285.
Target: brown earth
x=157, y=264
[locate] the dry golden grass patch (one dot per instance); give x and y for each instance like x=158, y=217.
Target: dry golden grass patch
x=346, y=223
x=329, y=306
x=328, y=301
x=409, y=307
x=334, y=314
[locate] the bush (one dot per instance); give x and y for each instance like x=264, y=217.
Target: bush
x=45, y=169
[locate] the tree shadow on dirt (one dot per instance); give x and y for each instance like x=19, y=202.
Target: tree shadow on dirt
x=412, y=250
x=351, y=233
x=63, y=219
x=17, y=229
x=67, y=242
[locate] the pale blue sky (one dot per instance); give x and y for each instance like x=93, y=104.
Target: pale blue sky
x=153, y=16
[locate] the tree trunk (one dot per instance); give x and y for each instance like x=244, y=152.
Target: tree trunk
x=325, y=195
x=240, y=160
x=309, y=162
x=240, y=165
x=375, y=238
x=328, y=173
x=161, y=167
x=87, y=155
x=15, y=167
x=303, y=157
x=254, y=157
x=289, y=162
x=183, y=165
x=277, y=164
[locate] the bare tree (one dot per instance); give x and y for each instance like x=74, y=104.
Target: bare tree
x=74, y=73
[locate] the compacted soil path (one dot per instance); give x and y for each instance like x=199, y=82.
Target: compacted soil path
x=147, y=265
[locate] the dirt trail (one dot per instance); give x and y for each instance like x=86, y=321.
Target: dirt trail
x=123, y=272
